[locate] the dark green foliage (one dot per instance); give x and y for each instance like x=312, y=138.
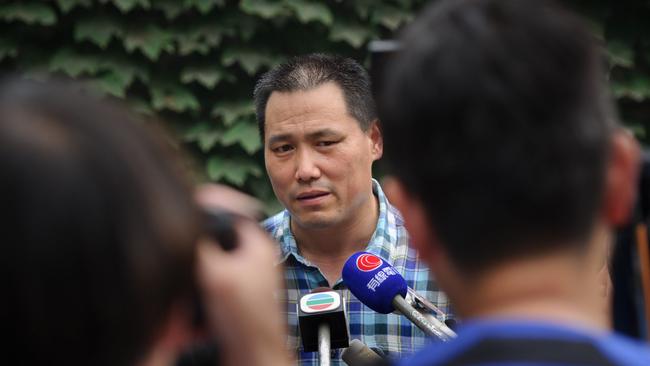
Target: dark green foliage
x=624, y=29
x=193, y=63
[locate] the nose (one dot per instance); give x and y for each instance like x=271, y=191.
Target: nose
x=306, y=167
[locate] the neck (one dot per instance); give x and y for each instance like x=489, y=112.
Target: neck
x=349, y=235
x=330, y=247
x=558, y=288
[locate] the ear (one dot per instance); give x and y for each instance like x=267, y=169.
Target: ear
x=416, y=219
x=377, y=140
x=621, y=182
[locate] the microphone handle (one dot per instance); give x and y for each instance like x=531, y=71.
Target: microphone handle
x=358, y=354
x=324, y=344
x=418, y=319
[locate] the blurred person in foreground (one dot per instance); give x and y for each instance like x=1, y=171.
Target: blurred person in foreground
x=100, y=238
x=319, y=127
x=509, y=169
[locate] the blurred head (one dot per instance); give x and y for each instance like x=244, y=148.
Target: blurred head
x=501, y=133
x=98, y=231
x=317, y=119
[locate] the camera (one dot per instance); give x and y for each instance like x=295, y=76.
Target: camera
x=219, y=225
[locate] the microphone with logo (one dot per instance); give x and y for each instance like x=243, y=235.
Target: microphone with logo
x=323, y=324
x=381, y=288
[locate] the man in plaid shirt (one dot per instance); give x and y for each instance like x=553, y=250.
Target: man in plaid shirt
x=321, y=136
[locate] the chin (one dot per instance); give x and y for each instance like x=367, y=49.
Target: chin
x=315, y=221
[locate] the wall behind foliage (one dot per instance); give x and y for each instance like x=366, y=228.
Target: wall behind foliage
x=193, y=63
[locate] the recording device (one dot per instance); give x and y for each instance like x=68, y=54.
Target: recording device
x=218, y=225
x=358, y=354
x=381, y=288
x=323, y=323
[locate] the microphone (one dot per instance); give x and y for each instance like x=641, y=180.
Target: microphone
x=381, y=288
x=358, y=354
x=322, y=322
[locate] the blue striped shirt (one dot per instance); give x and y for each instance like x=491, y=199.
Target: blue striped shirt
x=392, y=334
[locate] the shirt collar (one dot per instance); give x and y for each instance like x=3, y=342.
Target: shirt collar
x=382, y=243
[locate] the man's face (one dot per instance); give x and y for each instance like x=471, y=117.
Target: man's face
x=317, y=157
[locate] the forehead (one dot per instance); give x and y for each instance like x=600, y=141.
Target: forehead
x=306, y=110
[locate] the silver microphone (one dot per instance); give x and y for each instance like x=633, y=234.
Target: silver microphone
x=427, y=309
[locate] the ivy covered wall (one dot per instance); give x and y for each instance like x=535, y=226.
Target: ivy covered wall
x=193, y=63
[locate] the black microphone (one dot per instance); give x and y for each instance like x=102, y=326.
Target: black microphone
x=323, y=324
x=380, y=287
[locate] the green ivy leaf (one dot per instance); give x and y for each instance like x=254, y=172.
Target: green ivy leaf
x=635, y=87
x=206, y=76
x=204, y=134
x=140, y=106
x=251, y=60
x=127, y=67
x=30, y=13
x=230, y=111
x=8, y=48
x=113, y=83
x=127, y=5
x=98, y=30
x=390, y=17
x=201, y=38
x=246, y=134
x=352, y=33
x=266, y=9
x=620, y=54
x=233, y=170
x=171, y=8
x=204, y=6
x=246, y=25
x=74, y=64
x=173, y=97
x=151, y=40
x=362, y=7
x=67, y=5
x=308, y=11
x=261, y=188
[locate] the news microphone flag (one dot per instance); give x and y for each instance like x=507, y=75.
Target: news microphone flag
x=322, y=301
x=373, y=281
x=317, y=309
x=380, y=287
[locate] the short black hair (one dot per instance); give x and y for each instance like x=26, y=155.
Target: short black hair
x=99, y=229
x=310, y=71
x=496, y=117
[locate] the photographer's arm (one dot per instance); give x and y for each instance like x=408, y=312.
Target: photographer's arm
x=238, y=289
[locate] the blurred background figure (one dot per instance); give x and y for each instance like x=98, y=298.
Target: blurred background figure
x=514, y=177
x=99, y=242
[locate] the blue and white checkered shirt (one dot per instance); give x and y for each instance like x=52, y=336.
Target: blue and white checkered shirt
x=393, y=334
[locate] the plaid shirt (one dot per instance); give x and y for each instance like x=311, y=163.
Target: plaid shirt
x=393, y=334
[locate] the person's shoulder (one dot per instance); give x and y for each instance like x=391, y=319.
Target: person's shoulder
x=617, y=349
x=434, y=354
x=625, y=351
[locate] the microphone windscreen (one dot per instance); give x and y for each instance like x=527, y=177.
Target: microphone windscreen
x=373, y=281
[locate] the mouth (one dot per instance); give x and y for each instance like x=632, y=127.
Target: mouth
x=312, y=196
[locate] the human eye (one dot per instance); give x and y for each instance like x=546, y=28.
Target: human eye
x=282, y=149
x=326, y=143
